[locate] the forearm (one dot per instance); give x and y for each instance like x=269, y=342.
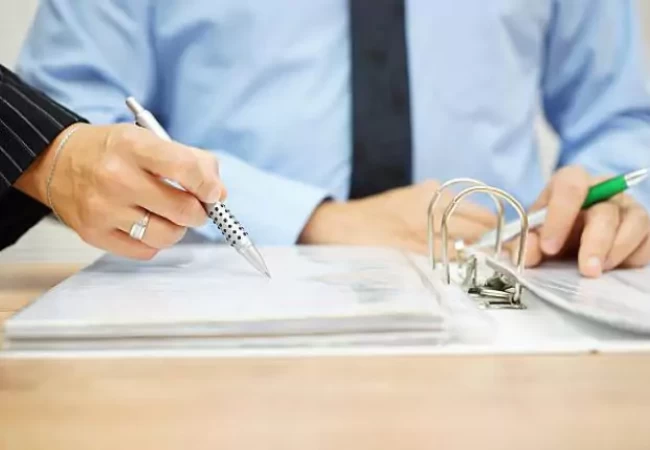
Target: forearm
x=29, y=123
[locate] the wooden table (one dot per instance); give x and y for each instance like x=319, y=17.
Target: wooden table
x=333, y=402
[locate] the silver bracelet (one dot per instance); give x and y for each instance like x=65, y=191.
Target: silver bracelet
x=57, y=152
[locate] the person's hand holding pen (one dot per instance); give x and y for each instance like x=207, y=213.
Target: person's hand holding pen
x=105, y=179
x=610, y=234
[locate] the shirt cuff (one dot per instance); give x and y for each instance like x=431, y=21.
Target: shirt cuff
x=273, y=209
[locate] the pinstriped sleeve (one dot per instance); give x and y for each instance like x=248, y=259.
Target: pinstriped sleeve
x=29, y=122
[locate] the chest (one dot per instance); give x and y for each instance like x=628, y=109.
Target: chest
x=253, y=31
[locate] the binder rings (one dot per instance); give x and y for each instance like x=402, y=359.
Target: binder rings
x=618, y=299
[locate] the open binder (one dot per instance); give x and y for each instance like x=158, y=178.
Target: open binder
x=323, y=296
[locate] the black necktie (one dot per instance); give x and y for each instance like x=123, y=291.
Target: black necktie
x=380, y=97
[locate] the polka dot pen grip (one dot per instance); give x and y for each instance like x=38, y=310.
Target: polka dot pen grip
x=232, y=230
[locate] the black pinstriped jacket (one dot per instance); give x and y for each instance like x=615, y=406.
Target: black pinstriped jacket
x=29, y=122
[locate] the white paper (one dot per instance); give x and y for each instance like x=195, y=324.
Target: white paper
x=194, y=291
x=619, y=298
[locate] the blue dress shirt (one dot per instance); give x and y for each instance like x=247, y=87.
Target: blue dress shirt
x=265, y=84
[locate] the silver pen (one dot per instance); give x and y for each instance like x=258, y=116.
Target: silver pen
x=229, y=226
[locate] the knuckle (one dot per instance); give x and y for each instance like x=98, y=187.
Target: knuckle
x=576, y=172
x=110, y=172
x=210, y=169
x=186, y=164
x=189, y=211
x=126, y=137
x=640, y=215
x=572, y=188
x=605, y=214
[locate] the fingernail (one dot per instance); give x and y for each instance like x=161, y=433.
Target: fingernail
x=594, y=265
x=550, y=246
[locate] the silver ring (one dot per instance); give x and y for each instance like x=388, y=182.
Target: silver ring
x=138, y=229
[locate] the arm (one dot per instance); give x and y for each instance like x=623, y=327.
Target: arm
x=29, y=123
x=595, y=97
x=595, y=91
x=91, y=55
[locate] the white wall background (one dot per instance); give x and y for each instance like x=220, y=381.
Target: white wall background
x=15, y=17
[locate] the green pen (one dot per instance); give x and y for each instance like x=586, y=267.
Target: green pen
x=598, y=193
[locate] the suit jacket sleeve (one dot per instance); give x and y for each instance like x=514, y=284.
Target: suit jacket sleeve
x=29, y=122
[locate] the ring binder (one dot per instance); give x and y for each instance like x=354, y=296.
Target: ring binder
x=434, y=202
x=500, y=290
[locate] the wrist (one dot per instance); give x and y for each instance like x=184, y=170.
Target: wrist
x=321, y=224
x=334, y=223
x=34, y=180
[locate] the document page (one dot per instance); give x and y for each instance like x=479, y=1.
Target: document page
x=210, y=290
x=620, y=298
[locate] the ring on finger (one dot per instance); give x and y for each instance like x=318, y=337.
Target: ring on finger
x=139, y=228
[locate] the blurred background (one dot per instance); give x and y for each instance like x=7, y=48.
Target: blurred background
x=49, y=238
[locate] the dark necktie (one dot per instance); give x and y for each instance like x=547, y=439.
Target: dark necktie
x=380, y=97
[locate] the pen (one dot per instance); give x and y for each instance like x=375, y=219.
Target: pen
x=229, y=226
x=598, y=193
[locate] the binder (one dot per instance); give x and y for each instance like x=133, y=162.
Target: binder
x=200, y=297
x=619, y=299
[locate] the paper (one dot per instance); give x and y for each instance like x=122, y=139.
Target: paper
x=211, y=291
x=619, y=298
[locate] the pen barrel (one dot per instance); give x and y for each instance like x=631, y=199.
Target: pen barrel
x=229, y=226
x=604, y=191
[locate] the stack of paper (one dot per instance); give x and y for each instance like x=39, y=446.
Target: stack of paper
x=618, y=299
x=208, y=296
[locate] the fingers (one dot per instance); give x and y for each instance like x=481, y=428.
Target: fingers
x=179, y=207
x=600, y=230
x=631, y=234
x=641, y=256
x=160, y=233
x=478, y=215
x=121, y=244
x=566, y=196
x=195, y=170
x=534, y=255
x=127, y=185
x=461, y=227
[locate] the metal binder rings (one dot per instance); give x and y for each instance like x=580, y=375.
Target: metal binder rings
x=499, y=290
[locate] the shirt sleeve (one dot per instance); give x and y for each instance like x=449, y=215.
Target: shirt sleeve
x=29, y=122
x=596, y=92
x=84, y=54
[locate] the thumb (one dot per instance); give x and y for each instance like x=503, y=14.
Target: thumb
x=197, y=171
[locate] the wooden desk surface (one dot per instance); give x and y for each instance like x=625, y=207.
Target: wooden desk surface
x=373, y=402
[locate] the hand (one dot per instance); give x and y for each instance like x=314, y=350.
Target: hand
x=106, y=178
x=396, y=218
x=605, y=236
